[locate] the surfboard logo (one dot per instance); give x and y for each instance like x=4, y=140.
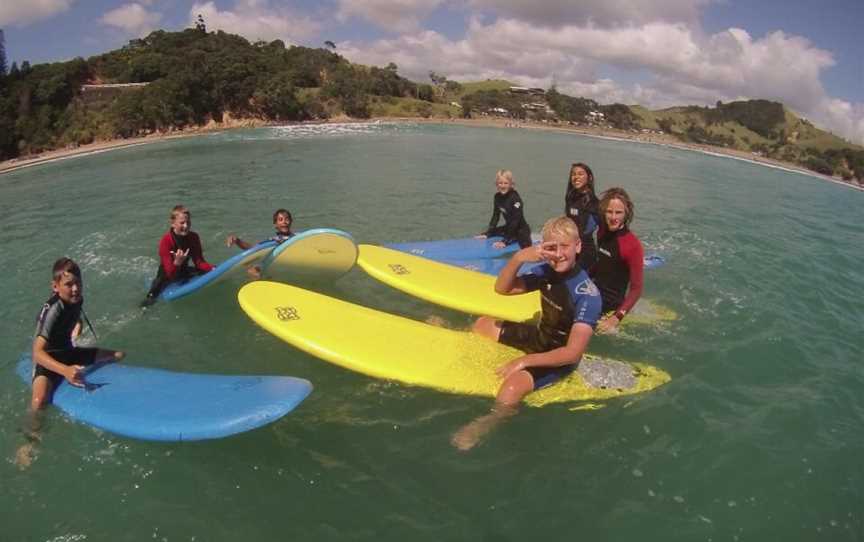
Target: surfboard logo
x=399, y=269
x=287, y=313
x=418, y=251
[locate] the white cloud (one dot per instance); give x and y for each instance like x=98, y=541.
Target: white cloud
x=601, y=13
x=683, y=65
x=23, y=12
x=132, y=18
x=256, y=20
x=400, y=15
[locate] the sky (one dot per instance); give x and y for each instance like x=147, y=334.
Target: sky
x=656, y=53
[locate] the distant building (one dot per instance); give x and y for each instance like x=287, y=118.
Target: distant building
x=527, y=90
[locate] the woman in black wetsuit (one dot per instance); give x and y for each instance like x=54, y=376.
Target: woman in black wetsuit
x=582, y=206
x=507, y=204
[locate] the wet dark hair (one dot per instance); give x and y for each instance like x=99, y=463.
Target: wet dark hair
x=569, y=192
x=283, y=212
x=619, y=194
x=65, y=265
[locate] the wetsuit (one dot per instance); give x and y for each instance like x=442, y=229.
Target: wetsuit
x=515, y=228
x=55, y=323
x=279, y=238
x=584, y=209
x=566, y=299
x=168, y=272
x=618, y=271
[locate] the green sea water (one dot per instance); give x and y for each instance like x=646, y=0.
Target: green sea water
x=758, y=436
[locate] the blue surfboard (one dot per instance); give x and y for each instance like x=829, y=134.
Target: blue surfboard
x=155, y=404
x=470, y=253
x=456, y=249
x=493, y=266
x=178, y=289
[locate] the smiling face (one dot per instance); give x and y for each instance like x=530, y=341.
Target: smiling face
x=283, y=223
x=578, y=178
x=503, y=184
x=68, y=287
x=616, y=214
x=560, y=251
x=181, y=224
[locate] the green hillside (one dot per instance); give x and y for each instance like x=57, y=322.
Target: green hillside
x=172, y=80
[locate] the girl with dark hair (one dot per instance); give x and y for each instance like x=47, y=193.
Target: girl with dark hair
x=581, y=206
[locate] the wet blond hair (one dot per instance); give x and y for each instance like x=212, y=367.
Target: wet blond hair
x=504, y=173
x=561, y=226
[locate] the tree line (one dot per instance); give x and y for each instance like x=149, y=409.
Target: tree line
x=194, y=76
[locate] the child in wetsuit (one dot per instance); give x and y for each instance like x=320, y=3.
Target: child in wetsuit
x=282, y=221
x=582, y=207
x=618, y=271
x=507, y=204
x=55, y=357
x=570, y=305
x=177, y=248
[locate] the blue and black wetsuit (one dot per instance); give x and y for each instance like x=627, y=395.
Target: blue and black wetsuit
x=515, y=228
x=566, y=299
x=584, y=209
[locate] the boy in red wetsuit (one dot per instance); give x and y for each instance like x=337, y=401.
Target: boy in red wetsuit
x=177, y=248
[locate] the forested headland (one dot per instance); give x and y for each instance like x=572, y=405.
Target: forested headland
x=170, y=81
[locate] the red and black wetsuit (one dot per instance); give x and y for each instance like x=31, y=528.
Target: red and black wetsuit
x=583, y=208
x=515, y=227
x=618, y=271
x=168, y=272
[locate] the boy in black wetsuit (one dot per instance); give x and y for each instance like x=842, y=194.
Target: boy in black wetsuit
x=282, y=221
x=55, y=357
x=507, y=204
x=553, y=347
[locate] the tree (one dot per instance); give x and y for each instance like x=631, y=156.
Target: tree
x=330, y=45
x=2, y=54
x=199, y=25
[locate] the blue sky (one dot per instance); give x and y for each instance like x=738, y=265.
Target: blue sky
x=657, y=53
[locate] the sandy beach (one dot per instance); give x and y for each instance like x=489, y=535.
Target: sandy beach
x=604, y=133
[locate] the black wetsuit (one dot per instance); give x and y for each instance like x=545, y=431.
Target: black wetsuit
x=515, y=228
x=584, y=209
x=618, y=272
x=55, y=324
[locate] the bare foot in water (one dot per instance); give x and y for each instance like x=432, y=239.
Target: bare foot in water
x=254, y=272
x=24, y=456
x=469, y=436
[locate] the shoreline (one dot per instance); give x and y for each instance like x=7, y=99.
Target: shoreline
x=16, y=164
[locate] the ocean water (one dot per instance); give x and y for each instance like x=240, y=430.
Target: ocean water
x=758, y=436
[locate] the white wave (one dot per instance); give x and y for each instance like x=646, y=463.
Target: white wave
x=301, y=131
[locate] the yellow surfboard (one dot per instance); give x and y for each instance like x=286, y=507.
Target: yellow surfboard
x=468, y=291
x=321, y=253
x=386, y=346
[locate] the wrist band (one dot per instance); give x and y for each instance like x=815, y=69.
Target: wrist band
x=619, y=314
